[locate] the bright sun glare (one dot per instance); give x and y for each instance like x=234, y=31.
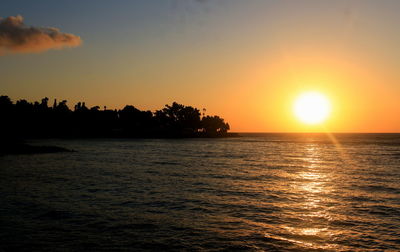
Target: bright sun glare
x=312, y=108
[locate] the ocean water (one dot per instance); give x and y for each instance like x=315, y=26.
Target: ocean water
x=258, y=192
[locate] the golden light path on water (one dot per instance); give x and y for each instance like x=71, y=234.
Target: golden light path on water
x=303, y=186
x=313, y=183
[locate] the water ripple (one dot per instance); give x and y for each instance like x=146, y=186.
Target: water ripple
x=271, y=192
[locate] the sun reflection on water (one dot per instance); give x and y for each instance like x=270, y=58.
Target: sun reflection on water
x=311, y=184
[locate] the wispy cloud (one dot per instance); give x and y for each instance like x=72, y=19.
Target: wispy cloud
x=16, y=37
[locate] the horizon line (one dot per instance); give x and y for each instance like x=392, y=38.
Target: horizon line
x=316, y=132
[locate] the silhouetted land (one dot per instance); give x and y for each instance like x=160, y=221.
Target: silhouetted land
x=24, y=119
x=12, y=147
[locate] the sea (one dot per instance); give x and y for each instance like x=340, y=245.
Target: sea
x=256, y=192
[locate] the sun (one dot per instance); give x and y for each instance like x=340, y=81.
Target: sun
x=312, y=108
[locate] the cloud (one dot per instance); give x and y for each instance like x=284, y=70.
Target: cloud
x=16, y=37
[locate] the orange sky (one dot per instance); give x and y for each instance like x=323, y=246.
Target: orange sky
x=360, y=100
x=245, y=61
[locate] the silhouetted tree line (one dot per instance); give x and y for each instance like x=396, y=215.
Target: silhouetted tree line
x=25, y=119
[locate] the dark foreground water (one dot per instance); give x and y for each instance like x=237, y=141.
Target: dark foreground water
x=258, y=192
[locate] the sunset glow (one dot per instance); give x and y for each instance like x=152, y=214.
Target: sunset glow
x=312, y=108
x=200, y=125
x=250, y=71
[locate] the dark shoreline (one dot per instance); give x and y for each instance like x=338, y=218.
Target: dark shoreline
x=23, y=148
x=18, y=147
